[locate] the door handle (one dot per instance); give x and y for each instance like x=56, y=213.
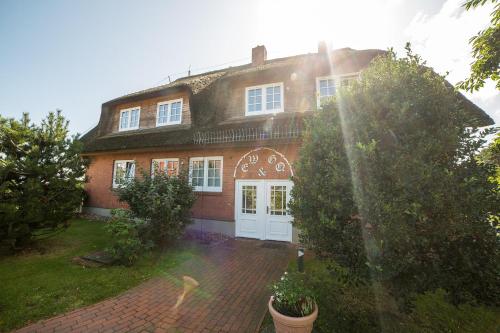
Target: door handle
x=267, y=209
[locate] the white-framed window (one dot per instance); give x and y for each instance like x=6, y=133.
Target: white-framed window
x=264, y=99
x=346, y=80
x=129, y=119
x=205, y=173
x=123, y=171
x=169, y=166
x=169, y=112
x=326, y=86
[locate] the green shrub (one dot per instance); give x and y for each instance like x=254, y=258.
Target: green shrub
x=388, y=184
x=292, y=295
x=126, y=234
x=345, y=303
x=162, y=201
x=432, y=313
x=41, y=178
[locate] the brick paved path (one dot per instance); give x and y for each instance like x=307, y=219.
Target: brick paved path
x=231, y=297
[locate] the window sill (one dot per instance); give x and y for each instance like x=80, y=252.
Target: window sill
x=261, y=113
x=168, y=124
x=209, y=193
x=127, y=129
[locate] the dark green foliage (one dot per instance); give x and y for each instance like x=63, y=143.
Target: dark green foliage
x=42, y=177
x=388, y=184
x=347, y=304
x=163, y=202
x=292, y=295
x=491, y=155
x=322, y=198
x=485, y=50
x=432, y=313
x=127, y=245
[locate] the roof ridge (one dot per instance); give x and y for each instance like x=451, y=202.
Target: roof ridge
x=185, y=80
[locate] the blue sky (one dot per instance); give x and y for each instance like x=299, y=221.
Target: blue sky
x=75, y=55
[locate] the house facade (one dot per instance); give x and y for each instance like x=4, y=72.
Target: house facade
x=237, y=131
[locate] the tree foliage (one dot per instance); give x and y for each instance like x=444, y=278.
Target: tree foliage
x=162, y=201
x=485, y=50
x=42, y=177
x=388, y=185
x=491, y=154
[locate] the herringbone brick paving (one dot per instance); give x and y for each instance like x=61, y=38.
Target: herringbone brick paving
x=232, y=296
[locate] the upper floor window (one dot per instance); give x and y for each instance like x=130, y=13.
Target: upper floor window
x=169, y=166
x=264, y=99
x=205, y=173
x=123, y=172
x=169, y=113
x=325, y=88
x=348, y=79
x=129, y=119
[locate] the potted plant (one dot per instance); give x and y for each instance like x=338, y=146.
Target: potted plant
x=292, y=304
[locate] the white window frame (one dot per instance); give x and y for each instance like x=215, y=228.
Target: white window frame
x=169, y=110
x=128, y=128
x=337, y=79
x=205, y=187
x=263, y=102
x=116, y=185
x=166, y=160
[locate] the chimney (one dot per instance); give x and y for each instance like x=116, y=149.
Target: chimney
x=259, y=55
x=322, y=47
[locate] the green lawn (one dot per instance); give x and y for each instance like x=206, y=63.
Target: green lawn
x=35, y=286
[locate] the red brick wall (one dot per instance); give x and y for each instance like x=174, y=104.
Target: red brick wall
x=210, y=205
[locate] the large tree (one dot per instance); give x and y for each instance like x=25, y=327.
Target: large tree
x=388, y=184
x=41, y=178
x=485, y=50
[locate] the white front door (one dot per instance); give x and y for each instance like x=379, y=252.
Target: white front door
x=261, y=209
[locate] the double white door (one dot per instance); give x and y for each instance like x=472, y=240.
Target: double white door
x=262, y=209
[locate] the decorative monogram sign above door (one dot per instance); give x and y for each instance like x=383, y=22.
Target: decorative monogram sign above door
x=263, y=163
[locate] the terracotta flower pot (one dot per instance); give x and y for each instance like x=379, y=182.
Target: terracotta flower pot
x=285, y=324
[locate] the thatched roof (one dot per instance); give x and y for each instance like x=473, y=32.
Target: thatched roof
x=204, y=102
x=178, y=137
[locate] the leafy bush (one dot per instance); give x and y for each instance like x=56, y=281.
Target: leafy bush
x=432, y=313
x=41, y=178
x=292, y=297
x=388, y=184
x=162, y=201
x=346, y=303
x=126, y=234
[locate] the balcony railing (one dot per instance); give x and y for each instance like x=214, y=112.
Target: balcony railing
x=247, y=134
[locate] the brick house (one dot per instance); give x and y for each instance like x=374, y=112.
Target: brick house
x=236, y=129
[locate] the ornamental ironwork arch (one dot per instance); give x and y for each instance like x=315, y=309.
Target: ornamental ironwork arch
x=251, y=156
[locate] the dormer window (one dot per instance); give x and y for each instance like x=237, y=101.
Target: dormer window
x=169, y=113
x=264, y=99
x=325, y=88
x=129, y=119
